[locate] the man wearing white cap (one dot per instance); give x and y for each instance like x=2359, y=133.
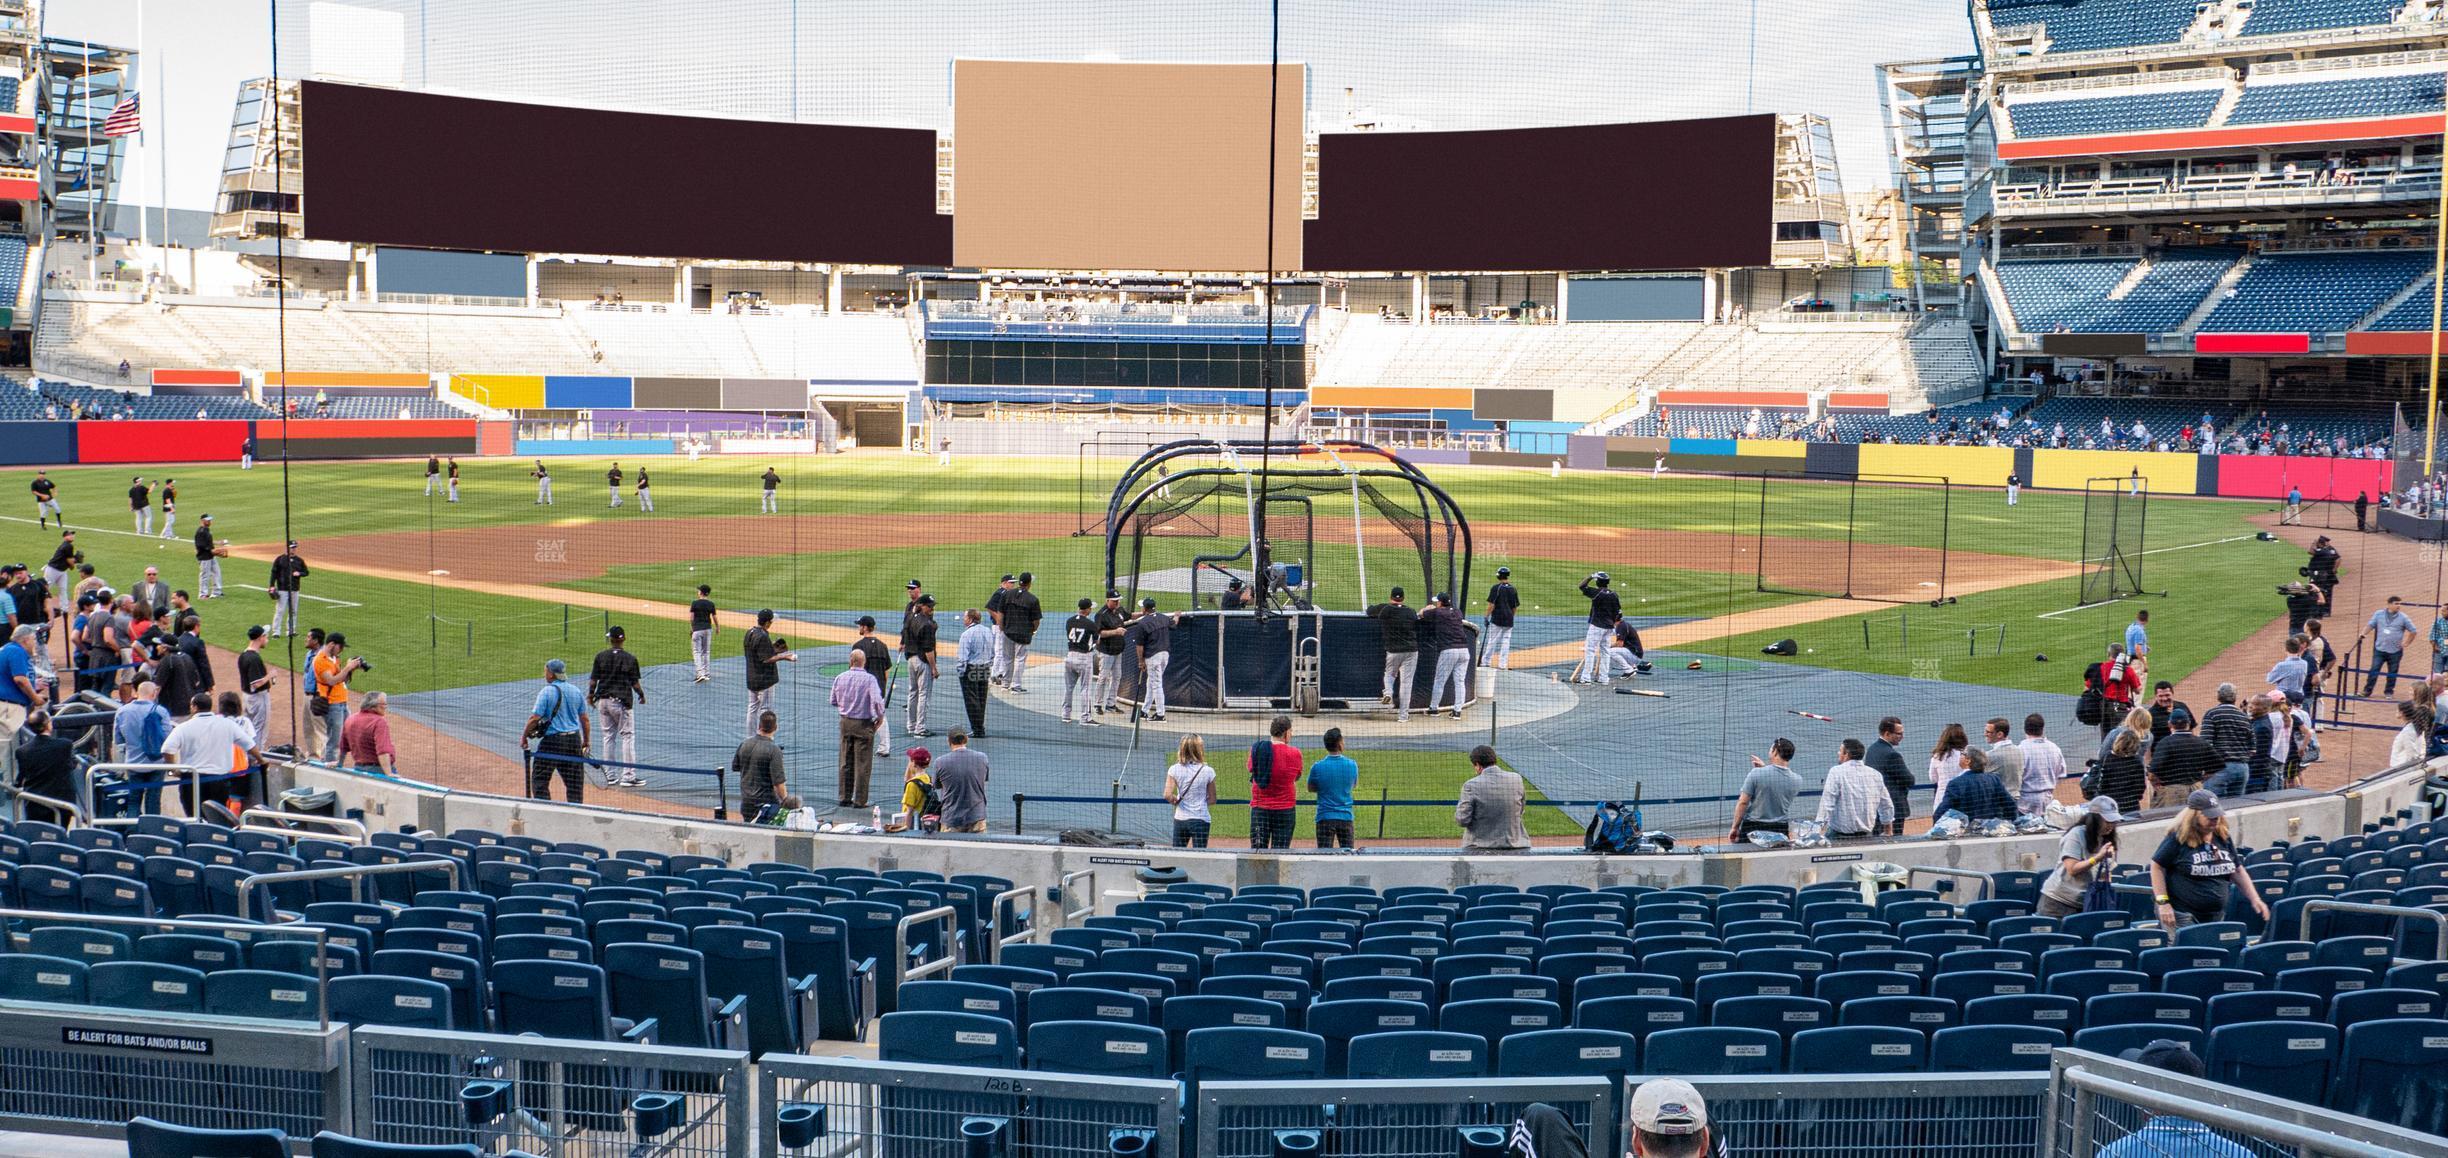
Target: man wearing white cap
x=1669, y=1120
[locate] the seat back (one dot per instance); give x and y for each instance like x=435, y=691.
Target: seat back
x=2395, y=1071
x=146, y=985
x=1250, y=1053
x=665, y=983
x=406, y=1002
x=1417, y=1054
x=1859, y=1049
x=937, y=1038
x=260, y=993
x=553, y=999
x=1110, y=1048
x=1993, y=1048
x=1714, y=1050
x=147, y=1138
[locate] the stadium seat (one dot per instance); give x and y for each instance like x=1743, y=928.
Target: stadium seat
x=2283, y=1059
x=1992, y=1048
x=956, y=1039
x=2326, y=981
x=462, y=976
x=2394, y=1071
x=1108, y=1048
x=1555, y=1053
x=145, y=985
x=1638, y=1016
x=1964, y=988
x=78, y=943
x=818, y=946
x=147, y=1138
x=1251, y=1054
x=1490, y=1020
x=1513, y=986
x=1154, y=989
x=2116, y=1039
x=1291, y=994
x=1713, y=1051
x=2350, y=1008
x=2085, y=984
x=1925, y=1015
x=260, y=993
x=1337, y=1022
x=1627, y=984
x=966, y=997
x=1215, y=1011
x=403, y=1002
x=559, y=999
x=2047, y=1011
x=1417, y=1055
x=1859, y=1049
x=1394, y=988
x=1784, y=1016
x=1065, y=1003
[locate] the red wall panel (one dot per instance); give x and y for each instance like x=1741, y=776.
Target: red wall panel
x=2414, y=343
x=2252, y=343
x=2224, y=137
x=196, y=378
x=2270, y=476
x=168, y=441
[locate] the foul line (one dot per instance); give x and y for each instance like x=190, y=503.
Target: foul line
x=101, y=530
x=2152, y=551
x=303, y=595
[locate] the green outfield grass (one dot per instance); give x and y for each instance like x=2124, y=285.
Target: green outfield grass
x=395, y=621
x=1391, y=774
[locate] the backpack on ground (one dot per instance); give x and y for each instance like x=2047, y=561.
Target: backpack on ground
x=1612, y=829
x=2092, y=706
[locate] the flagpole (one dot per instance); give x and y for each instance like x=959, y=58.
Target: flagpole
x=161, y=84
x=93, y=231
x=144, y=132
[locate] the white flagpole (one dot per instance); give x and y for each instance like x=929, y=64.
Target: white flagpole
x=161, y=90
x=144, y=129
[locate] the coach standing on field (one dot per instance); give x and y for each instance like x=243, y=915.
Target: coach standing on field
x=702, y=614
x=208, y=560
x=1399, y=626
x=1021, y=616
x=288, y=574
x=1605, y=608
x=994, y=618
x=861, y=704
x=558, y=724
x=1151, y=637
x=1111, y=625
x=918, y=651
x=762, y=654
x=974, y=664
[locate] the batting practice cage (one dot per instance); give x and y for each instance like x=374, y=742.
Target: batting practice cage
x=1277, y=549
x=1859, y=557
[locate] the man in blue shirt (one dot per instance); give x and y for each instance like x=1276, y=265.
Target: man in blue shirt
x=974, y=665
x=2389, y=629
x=2167, y=1135
x=2137, y=637
x=1331, y=780
x=558, y=725
x=138, y=731
x=18, y=695
x=2287, y=675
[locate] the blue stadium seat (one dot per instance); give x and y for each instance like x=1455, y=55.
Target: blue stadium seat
x=964, y=997
x=463, y=976
x=145, y=985
x=1246, y=1053
x=403, y=1002
x=1154, y=989
x=1627, y=984
x=1108, y=1048
x=147, y=1138
x=2270, y=102
x=1417, y=1055
x=1291, y=994
x=1216, y=1011
x=2381, y=1004
x=195, y=951
x=1784, y=1016
x=1568, y=1053
x=1971, y=986
x=2427, y=975
x=818, y=946
x=1849, y=985
x=1924, y=1015
x=1859, y=1049
x=1514, y=986
x=1490, y=1020
x=2326, y=981
x=558, y=999
x=1337, y=1022
x=2164, y=1009
x=956, y=1039
x=1397, y=988
x=1992, y=1048
x=1638, y=1016
x=260, y=993
x=2085, y=984
x=78, y=943
x=1713, y=1050
x=2047, y=1011
x=2394, y=1071
x=1083, y=1004
x=2279, y=17
x=2283, y=1059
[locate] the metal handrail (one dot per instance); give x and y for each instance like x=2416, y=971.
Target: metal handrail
x=277, y=823
x=2324, y=904
x=1069, y=914
x=241, y=929
x=421, y=862
x=951, y=953
x=2302, y=1139
x=1988, y=882
x=85, y=790
x=1007, y=900
x=70, y=807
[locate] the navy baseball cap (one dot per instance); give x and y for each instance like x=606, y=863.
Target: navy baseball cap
x=912, y=585
x=1086, y=603
x=1504, y=572
x=866, y=621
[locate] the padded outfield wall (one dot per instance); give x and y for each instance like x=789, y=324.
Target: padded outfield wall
x=222, y=440
x=2213, y=475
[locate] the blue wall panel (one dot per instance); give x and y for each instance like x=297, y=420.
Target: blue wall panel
x=587, y=393
x=45, y=443
x=596, y=447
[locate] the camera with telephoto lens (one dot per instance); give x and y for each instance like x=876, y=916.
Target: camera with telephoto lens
x=363, y=664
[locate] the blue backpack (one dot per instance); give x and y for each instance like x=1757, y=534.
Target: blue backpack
x=1612, y=829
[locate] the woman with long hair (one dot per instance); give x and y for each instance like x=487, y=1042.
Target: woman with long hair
x=2415, y=738
x=2080, y=853
x=2120, y=770
x=1190, y=787
x=2196, y=867
x=1946, y=760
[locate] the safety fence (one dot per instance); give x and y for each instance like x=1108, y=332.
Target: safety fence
x=2095, y=1102
x=84, y=1072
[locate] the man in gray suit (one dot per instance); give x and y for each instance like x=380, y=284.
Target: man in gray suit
x=1490, y=811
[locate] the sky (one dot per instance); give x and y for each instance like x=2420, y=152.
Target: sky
x=1427, y=64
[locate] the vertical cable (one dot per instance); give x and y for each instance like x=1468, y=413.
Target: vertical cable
x=1266, y=352
x=280, y=312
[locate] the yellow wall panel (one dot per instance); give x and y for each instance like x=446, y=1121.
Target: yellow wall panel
x=1769, y=448
x=1985, y=466
x=2070, y=469
x=1393, y=397
x=502, y=391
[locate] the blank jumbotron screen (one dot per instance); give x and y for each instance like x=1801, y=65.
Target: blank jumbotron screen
x=1123, y=166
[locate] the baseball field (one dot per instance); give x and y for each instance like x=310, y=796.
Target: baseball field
x=459, y=604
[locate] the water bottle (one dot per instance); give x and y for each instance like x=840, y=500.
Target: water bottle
x=875, y=816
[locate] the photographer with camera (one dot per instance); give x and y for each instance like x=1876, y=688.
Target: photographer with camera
x=2322, y=570
x=331, y=677
x=2302, y=603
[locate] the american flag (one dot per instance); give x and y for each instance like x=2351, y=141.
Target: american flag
x=125, y=119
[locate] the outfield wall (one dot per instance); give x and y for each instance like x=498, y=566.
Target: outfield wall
x=2220, y=475
x=219, y=440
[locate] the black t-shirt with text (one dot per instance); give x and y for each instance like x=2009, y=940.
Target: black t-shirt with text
x=1400, y=625
x=2198, y=878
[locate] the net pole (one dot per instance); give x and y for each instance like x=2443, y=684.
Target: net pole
x=1359, y=542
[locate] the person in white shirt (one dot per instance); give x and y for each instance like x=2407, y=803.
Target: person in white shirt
x=1190, y=785
x=2043, y=766
x=1946, y=761
x=209, y=742
x=1854, y=801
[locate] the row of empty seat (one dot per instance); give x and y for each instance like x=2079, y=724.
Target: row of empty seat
x=2090, y=25
x=2136, y=112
